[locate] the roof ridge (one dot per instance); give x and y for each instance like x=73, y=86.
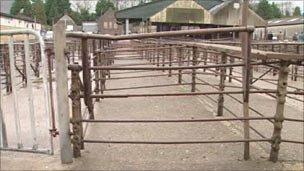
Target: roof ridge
x=140, y=5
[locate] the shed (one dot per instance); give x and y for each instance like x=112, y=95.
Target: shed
x=107, y=23
x=164, y=15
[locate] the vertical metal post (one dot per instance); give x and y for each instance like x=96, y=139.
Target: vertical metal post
x=246, y=50
x=279, y=115
x=30, y=91
x=188, y=57
x=163, y=58
x=170, y=60
x=231, y=69
x=3, y=137
x=86, y=74
x=179, y=57
x=14, y=90
x=194, y=61
x=154, y=53
x=103, y=73
x=8, y=75
x=205, y=54
x=49, y=56
x=76, y=111
x=97, y=74
x=62, y=94
x=220, y=102
x=157, y=55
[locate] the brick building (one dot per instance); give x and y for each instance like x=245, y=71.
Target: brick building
x=107, y=23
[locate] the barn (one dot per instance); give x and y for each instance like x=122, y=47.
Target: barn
x=166, y=15
x=283, y=29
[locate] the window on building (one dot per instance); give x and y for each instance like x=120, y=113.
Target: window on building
x=115, y=26
x=110, y=25
x=105, y=25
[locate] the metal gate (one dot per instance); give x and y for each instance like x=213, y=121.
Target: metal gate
x=25, y=109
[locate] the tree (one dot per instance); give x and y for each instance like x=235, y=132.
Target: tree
x=102, y=6
x=21, y=7
x=287, y=13
x=38, y=11
x=276, y=12
x=76, y=16
x=297, y=12
x=55, y=9
x=264, y=10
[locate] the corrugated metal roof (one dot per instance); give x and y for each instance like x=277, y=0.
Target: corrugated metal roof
x=147, y=10
x=17, y=17
x=144, y=11
x=286, y=21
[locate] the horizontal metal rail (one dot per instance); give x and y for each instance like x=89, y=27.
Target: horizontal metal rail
x=138, y=49
x=148, y=86
x=176, y=67
x=177, y=121
x=292, y=141
x=160, y=34
x=176, y=142
x=174, y=94
x=293, y=120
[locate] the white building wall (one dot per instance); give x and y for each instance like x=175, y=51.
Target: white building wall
x=18, y=23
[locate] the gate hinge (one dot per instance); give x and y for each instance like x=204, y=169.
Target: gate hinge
x=54, y=132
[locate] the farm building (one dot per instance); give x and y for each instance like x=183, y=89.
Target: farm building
x=8, y=21
x=69, y=23
x=284, y=28
x=107, y=23
x=165, y=15
x=90, y=26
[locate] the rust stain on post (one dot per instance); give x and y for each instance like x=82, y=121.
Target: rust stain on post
x=279, y=115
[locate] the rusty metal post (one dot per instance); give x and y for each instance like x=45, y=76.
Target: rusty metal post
x=231, y=69
x=79, y=52
x=279, y=115
x=77, y=135
x=102, y=73
x=188, y=57
x=205, y=54
x=295, y=72
x=49, y=56
x=179, y=56
x=216, y=59
x=36, y=59
x=24, y=77
x=86, y=74
x=220, y=102
x=157, y=56
x=163, y=58
x=194, y=62
x=154, y=54
x=8, y=77
x=96, y=74
x=3, y=132
x=170, y=60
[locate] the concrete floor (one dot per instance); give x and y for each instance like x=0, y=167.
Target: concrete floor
x=169, y=157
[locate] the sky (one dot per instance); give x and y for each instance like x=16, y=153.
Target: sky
x=295, y=3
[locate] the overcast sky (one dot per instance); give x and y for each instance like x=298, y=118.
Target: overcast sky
x=295, y=3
